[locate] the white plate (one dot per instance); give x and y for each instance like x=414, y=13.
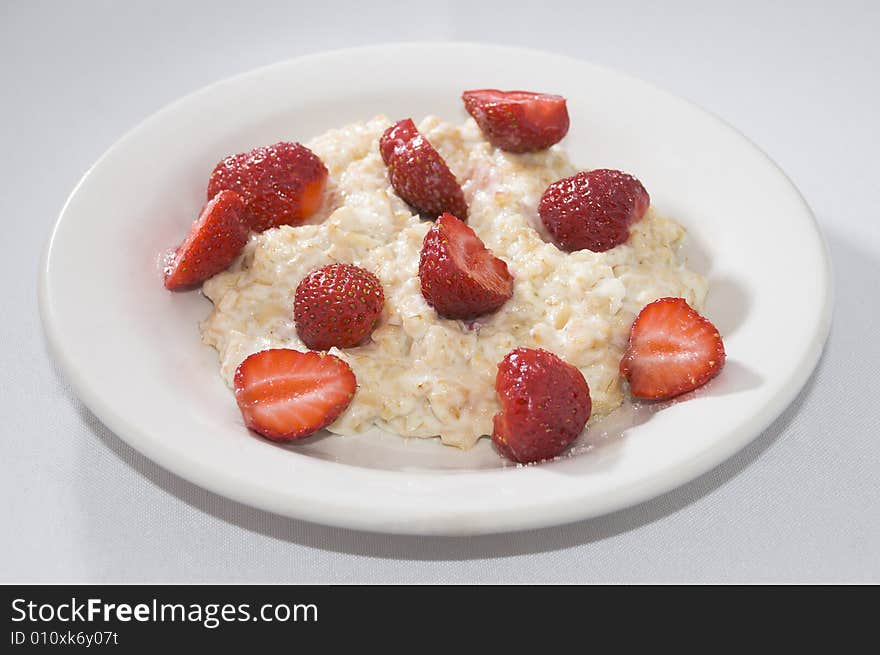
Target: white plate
x=132, y=351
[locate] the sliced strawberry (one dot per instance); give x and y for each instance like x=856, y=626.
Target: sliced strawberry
x=215, y=240
x=672, y=350
x=281, y=184
x=593, y=209
x=418, y=173
x=460, y=277
x=518, y=121
x=545, y=404
x=286, y=394
x=338, y=305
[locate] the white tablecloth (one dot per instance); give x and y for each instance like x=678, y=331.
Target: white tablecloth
x=802, y=503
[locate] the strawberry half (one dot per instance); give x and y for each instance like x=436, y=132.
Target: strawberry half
x=545, y=404
x=281, y=184
x=518, y=121
x=672, y=350
x=418, y=173
x=286, y=394
x=460, y=277
x=338, y=305
x=215, y=240
x=593, y=209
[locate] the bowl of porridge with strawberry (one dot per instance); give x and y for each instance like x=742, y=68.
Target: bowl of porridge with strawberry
x=435, y=288
x=444, y=280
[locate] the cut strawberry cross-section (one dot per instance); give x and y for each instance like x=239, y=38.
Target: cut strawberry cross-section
x=286, y=394
x=460, y=277
x=672, y=350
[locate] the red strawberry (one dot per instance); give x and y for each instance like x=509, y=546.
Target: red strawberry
x=518, y=121
x=418, y=173
x=545, y=404
x=672, y=350
x=460, y=277
x=593, y=209
x=281, y=184
x=286, y=394
x=215, y=240
x=338, y=305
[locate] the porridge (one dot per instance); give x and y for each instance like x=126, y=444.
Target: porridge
x=421, y=375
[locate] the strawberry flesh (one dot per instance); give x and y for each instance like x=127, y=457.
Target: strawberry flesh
x=338, y=305
x=460, y=278
x=419, y=174
x=593, y=209
x=281, y=184
x=215, y=240
x=286, y=394
x=672, y=350
x=518, y=121
x=545, y=404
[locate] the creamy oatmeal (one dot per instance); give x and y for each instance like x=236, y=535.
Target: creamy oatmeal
x=421, y=375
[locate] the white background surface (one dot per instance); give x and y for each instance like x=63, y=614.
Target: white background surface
x=802, y=503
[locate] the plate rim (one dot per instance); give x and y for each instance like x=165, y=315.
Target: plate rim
x=526, y=516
